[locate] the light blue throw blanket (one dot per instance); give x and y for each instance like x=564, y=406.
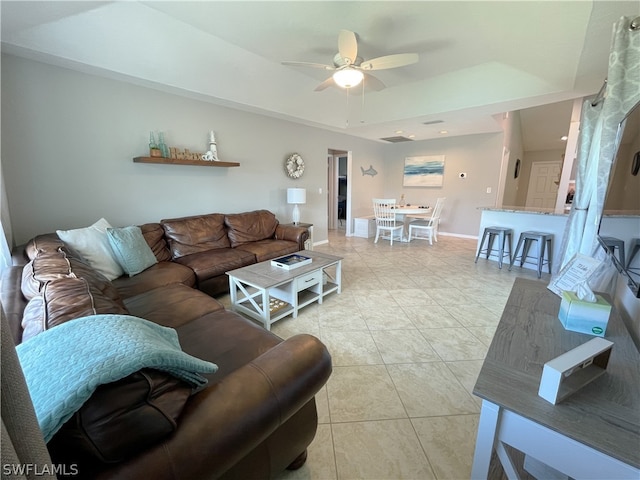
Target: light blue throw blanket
x=63, y=366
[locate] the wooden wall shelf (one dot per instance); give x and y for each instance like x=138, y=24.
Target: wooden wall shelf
x=176, y=161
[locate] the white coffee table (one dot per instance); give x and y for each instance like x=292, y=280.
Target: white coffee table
x=252, y=287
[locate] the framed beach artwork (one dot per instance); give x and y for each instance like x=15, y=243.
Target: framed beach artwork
x=427, y=171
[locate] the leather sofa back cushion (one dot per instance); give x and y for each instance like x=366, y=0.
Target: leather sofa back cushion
x=153, y=233
x=47, y=266
x=250, y=226
x=121, y=419
x=62, y=300
x=195, y=234
x=47, y=243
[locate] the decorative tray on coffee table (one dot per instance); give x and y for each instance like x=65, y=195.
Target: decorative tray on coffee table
x=290, y=262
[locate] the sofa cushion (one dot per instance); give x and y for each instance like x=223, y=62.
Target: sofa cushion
x=121, y=419
x=268, y=249
x=153, y=233
x=212, y=263
x=131, y=249
x=46, y=243
x=172, y=305
x=250, y=226
x=62, y=300
x=227, y=339
x=51, y=265
x=160, y=274
x=92, y=243
x=195, y=234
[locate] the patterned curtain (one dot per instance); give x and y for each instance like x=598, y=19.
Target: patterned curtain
x=597, y=142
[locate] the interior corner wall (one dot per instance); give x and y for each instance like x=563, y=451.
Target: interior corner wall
x=69, y=138
x=479, y=156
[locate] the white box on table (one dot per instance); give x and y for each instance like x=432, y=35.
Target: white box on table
x=572, y=370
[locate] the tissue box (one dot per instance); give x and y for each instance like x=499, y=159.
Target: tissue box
x=585, y=317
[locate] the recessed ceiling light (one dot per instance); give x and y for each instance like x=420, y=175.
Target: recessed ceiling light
x=564, y=138
x=399, y=132
x=412, y=136
x=443, y=132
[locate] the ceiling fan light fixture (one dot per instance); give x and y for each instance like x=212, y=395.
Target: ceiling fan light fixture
x=348, y=77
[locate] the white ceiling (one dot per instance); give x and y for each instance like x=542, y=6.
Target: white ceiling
x=478, y=59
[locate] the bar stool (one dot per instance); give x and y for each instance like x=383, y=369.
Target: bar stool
x=543, y=240
x=612, y=243
x=502, y=233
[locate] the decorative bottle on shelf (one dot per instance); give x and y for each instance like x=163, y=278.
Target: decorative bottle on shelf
x=163, y=146
x=402, y=200
x=154, y=151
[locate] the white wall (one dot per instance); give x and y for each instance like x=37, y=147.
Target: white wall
x=68, y=142
x=478, y=156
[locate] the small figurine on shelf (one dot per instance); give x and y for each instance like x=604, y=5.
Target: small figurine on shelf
x=163, y=146
x=154, y=151
x=402, y=200
x=213, y=147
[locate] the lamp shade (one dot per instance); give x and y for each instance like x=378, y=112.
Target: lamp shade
x=348, y=77
x=296, y=195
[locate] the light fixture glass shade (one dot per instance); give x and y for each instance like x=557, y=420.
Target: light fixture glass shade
x=348, y=77
x=296, y=196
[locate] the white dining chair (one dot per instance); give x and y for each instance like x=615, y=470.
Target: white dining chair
x=384, y=211
x=427, y=229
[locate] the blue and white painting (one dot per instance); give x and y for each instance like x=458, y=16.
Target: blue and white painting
x=425, y=171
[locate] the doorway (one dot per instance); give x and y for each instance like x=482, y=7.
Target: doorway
x=543, y=184
x=339, y=191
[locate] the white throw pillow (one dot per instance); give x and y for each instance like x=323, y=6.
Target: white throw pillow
x=93, y=244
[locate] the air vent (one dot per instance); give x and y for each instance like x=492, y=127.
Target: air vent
x=397, y=139
x=433, y=122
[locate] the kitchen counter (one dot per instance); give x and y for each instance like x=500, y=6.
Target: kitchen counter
x=522, y=219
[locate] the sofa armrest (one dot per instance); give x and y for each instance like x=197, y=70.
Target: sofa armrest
x=292, y=233
x=12, y=300
x=223, y=423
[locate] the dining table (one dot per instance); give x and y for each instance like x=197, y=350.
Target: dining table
x=402, y=212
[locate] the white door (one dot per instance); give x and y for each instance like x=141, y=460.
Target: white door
x=543, y=188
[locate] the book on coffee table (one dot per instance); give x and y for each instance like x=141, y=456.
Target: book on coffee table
x=290, y=262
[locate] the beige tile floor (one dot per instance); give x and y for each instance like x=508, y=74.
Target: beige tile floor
x=407, y=336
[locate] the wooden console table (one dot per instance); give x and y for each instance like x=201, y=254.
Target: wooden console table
x=593, y=434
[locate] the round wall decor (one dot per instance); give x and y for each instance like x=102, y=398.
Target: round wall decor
x=294, y=166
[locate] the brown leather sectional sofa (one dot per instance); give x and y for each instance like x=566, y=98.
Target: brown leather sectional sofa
x=257, y=414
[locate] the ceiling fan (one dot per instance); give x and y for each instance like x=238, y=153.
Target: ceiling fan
x=349, y=69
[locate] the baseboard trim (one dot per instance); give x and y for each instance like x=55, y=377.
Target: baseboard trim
x=459, y=235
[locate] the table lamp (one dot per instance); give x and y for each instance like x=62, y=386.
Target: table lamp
x=296, y=196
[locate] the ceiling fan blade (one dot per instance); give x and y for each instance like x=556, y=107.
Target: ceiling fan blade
x=373, y=83
x=390, y=61
x=348, y=46
x=326, y=84
x=309, y=64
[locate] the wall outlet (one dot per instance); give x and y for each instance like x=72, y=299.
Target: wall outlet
x=488, y=189
x=462, y=175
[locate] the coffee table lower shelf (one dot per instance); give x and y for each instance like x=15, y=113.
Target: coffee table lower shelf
x=252, y=289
